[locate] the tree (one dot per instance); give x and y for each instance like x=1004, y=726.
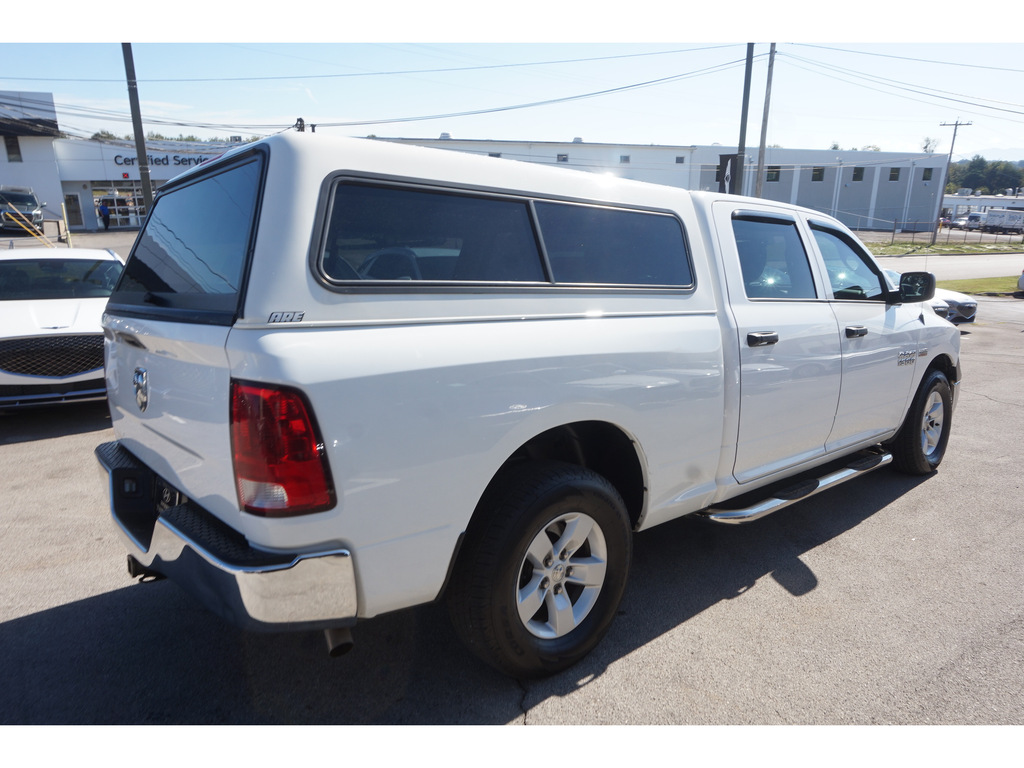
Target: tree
x=985, y=177
x=975, y=174
x=1003, y=175
x=929, y=144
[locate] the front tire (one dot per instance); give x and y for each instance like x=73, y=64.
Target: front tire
x=542, y=569
x=919, y=446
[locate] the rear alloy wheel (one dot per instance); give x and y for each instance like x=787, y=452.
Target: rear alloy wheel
x=542, y=569
x=921, y=443
x=561, y=575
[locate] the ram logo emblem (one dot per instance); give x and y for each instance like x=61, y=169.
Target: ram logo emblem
x=140, y=380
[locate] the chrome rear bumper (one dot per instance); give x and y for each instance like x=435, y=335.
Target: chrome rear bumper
x=254, y=589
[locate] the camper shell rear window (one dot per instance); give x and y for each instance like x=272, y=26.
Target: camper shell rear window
x=190, y=257
x=402, y=235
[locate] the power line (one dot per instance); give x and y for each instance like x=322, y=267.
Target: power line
x=913, y=88
x=910, y=58
x=792, y=61
x=387, y=73
x=121, y=117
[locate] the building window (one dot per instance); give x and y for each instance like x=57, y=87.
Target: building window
x=773, y=173
x=858, y=173
x=563, y=158
x=13, y=149
x=894, y=174
x=680, y=160
x=623, y=158
x=818, y=174
x=927, y=176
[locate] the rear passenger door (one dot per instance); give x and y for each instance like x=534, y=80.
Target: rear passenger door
x=787, y=337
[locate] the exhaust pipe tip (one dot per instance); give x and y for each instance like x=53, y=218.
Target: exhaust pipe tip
x=339, y=641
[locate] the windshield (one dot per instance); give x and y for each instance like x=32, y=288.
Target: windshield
x=32, y=279
x=19, y=198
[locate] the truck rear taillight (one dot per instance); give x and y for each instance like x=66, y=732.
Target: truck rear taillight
x=280, y=467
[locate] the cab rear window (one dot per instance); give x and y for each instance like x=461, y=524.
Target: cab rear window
x=192, y=252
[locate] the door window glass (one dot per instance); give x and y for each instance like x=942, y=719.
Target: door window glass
x=850, y=272
x=773, y=259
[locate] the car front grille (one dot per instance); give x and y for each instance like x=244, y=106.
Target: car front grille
x=966, y=311
x=54, y=356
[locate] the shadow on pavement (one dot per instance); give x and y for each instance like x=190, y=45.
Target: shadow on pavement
x=23, y=425
x=149, y=654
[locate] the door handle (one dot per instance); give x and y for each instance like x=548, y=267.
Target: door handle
x=762, y=338
x=855, y=331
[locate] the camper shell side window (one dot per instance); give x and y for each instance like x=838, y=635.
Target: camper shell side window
x=395, y=235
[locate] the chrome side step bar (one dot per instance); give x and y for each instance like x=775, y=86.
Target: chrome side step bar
x=799, y=491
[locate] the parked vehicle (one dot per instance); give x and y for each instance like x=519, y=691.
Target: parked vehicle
x=20, y=210
x=348, y=377
x=51, y=341
x=954, y=306
x=976, y=220
x=960, y=308
x=960, y=222
x=1004, y=221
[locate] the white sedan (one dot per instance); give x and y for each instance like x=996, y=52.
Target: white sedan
x=51, y=341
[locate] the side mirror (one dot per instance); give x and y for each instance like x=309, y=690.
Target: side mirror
x=917, y=286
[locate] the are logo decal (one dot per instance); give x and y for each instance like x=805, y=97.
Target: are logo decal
x=286, y=317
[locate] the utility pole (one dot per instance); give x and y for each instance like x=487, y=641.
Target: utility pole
x=741, y=150
x=764, y=124
x=949, y=164
x=140, y=138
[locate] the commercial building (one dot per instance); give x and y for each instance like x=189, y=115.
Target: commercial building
x=864, y=189
x=75, y=176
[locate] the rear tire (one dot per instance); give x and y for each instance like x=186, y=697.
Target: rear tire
x=542, y=569
x=919, y=446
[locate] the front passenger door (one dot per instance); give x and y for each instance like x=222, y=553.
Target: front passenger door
x=879, y=340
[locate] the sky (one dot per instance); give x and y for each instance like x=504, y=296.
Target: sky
x=536, y=72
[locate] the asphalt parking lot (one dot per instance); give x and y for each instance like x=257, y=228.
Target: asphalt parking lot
x=892, y=600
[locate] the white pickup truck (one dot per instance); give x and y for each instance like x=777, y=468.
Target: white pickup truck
x=348, y=377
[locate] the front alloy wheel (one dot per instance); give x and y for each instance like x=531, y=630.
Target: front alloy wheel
x=920, y=444
x=932, y=423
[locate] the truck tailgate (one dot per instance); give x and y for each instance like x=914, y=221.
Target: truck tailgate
x=168, y=388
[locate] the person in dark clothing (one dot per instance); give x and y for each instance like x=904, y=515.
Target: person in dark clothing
x=105, y=215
